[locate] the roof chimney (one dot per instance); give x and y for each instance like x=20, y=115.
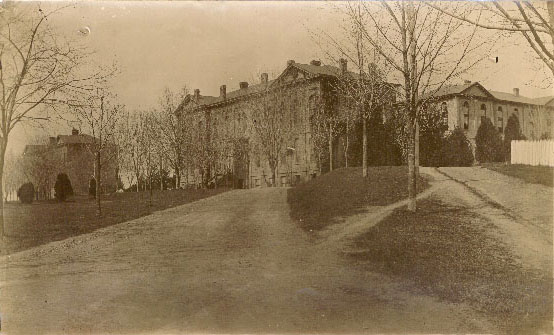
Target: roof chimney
x=343, y=64
x=74, y=131
x=516, y=92
x=196, y=95
x=467, y=81
x=223, y=91
x=290, y=62
x=264, y=78
x=315, y=62
x=243, y=85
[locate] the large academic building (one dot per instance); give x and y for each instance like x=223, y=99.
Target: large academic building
x=220, y=119
x=465, y=104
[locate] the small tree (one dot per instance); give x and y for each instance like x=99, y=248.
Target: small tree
x=512, y=132
x=488, y=143
x=456, y=150
x=62, y=187
x=26, y=193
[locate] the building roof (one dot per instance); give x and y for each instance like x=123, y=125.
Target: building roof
x=74, y=139
x=461, y=89
x=314, y=70
x=32, y=149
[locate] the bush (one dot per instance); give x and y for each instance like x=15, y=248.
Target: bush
x=488, y=143
x=62, y=187
x=512, y=132
x=26, y=193
x=92, y=187
x=456, y=150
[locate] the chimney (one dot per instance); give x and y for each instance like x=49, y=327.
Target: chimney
x=74, y=131
x=264, y=78
x=196, y=95
x=290, y=62
x=223, y=91
x=516, y=92
x=343, y=63
x=467, y=81
x=315, y=62
x=243, y=85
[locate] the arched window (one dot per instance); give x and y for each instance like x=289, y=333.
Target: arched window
x=465, y=109
x=500, y=119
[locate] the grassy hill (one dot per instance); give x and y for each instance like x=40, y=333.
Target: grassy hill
x=321, y=201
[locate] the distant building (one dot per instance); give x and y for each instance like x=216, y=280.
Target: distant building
x=303, y=88
x=465, y=104
x=71, y=154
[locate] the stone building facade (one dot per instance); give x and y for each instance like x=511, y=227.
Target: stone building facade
x=70, y=154
x=465, y=104
x=223, y=119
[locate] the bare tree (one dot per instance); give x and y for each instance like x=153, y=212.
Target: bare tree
x=40, y=72
x=532, y=20
x=172, y=137
x=424, y=48
x=269, y=126
x=99, y=114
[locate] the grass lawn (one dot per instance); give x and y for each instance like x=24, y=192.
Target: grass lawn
x=446, y=252
x=45, y=221
x=321, y=201
x=531, y=174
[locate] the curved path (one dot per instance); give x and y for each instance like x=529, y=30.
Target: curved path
x=231, y=263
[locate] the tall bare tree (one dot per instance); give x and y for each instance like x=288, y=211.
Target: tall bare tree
x=40, y=72
x=99, y=114
x=424, y=48
x=269, y=125
x=172, y=138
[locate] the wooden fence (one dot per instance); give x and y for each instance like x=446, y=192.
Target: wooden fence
x=533, y=152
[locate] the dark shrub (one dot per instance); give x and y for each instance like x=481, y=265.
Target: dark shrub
x=512, y=132
x=62, y=187
x=488, y=143
x=92, y=187
x=456, y=149
x=26, y=193
x=432, y=126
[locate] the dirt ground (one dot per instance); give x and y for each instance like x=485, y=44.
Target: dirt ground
x=231, y=263
x=522, y=212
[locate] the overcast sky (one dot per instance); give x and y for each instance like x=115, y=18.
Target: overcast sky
x=206, y=44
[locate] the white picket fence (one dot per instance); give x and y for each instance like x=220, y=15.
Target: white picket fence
x=533, y=152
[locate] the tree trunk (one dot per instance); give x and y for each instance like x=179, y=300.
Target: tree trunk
x=346, y=144
x=416, y=154
x=364, y=147
x=411, y=168
x=2, y=161
x=330, y=150
x=273, y=175
x=161, y=175
x=98, y=181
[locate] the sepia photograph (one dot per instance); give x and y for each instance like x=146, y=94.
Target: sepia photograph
x=276, y=167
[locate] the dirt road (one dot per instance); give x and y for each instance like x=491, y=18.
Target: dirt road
x=231, y=263
x=521, y=212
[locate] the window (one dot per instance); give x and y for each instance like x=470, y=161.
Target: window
x=500, y=119
x=444, y=113
x=548, y=122
x=465, y=109
x=483, y=110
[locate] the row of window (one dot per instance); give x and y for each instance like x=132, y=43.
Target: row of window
x=483, y=110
